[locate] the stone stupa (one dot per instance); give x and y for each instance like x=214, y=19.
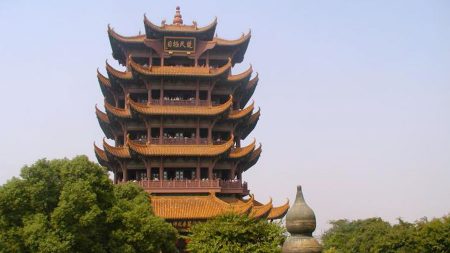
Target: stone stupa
x=301, y=223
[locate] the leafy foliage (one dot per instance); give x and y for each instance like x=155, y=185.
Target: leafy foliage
x=376, y=235
x=72, y=206
x=233, y=233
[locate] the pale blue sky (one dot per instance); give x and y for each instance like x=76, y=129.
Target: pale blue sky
x=355, y=95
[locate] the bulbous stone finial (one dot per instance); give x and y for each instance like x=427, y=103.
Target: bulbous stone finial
x=301, y=223
x=178, y=19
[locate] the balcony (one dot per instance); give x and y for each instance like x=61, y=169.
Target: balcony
x=194, y=186
x=179, y=141
x=190, y=102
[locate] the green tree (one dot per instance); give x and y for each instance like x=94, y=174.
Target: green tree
x=355, y=236
x=72, y=206
x=234, y=233
x=376, y=235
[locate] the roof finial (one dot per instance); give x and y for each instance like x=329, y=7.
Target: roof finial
x=178, y=19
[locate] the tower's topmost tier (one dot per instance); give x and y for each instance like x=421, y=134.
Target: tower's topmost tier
x=177, y=39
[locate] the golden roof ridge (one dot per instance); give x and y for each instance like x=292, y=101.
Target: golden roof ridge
x=103, y=79
x=253, y=81
x=121, y=38
x=262, y=210
x=121, y=152
x=246, y=74
x=127, y=75
x=179, y=28
x=100, y=153
x=241, y=152
x=118, y=112
x=233, y=42
x=237, y=114
x=101, y=115
x=279, y=211
x=256, y=152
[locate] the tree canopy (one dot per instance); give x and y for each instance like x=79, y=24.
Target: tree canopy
x=375, y=235
x=72, y=206
x=233, y=233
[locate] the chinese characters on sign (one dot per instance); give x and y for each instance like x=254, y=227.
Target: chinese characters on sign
x=179, y=44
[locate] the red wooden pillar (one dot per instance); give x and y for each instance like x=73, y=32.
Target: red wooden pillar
x=161, y=170
x=197, y=170
x=148, y=167
x=210, y=172
x=161, y=132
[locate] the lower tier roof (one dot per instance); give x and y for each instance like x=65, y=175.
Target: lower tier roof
x=196, y=207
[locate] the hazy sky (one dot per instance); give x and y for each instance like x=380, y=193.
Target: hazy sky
x=354, y=95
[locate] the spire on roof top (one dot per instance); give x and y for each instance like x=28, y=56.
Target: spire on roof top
x=177, y=19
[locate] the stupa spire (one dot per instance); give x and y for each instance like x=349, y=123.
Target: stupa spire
x=177, y=19
x=301, y=223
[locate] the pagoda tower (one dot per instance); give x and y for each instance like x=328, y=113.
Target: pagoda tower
x=175, y=117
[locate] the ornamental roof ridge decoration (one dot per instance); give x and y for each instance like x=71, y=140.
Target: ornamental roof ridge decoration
x=241, y=152
x=240, y=113
x=141, y=38
x=121, y=152
x=233, y=42
x=101, y=115
x=253, y=81
x=179, y=28
x=118, y=112
x=177, y=19
x=180, y=150
x=279, y=211
x=151, y=109
x=238, y=77
x=103, y=79
x=121, y=38
x=127, y=75
x=259, y=211
x=100, y=153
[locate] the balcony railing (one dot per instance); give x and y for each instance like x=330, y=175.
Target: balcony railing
x=194, y=186
x=180, y=141
x=179, y=102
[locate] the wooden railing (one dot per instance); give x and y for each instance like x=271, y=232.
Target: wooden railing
x=180, y=102
x=204, y=185
x=180, y=141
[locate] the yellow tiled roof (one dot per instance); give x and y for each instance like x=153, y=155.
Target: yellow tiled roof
x=278, y=212
x=253, y=81
x=118, y=112
x=195, y=207
x=242, y=39
x=126, y=39
x=101, y=115
x=260, y=211
x=241, y=152
x=121, y=152
x=241, y=76
x=127, y=75
x=237, y=114
x=178, y=70
x=100, y=153
x=179, y=28
x=180, y=110
x=103, y=80
x=180, y=150
x=256, y=153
